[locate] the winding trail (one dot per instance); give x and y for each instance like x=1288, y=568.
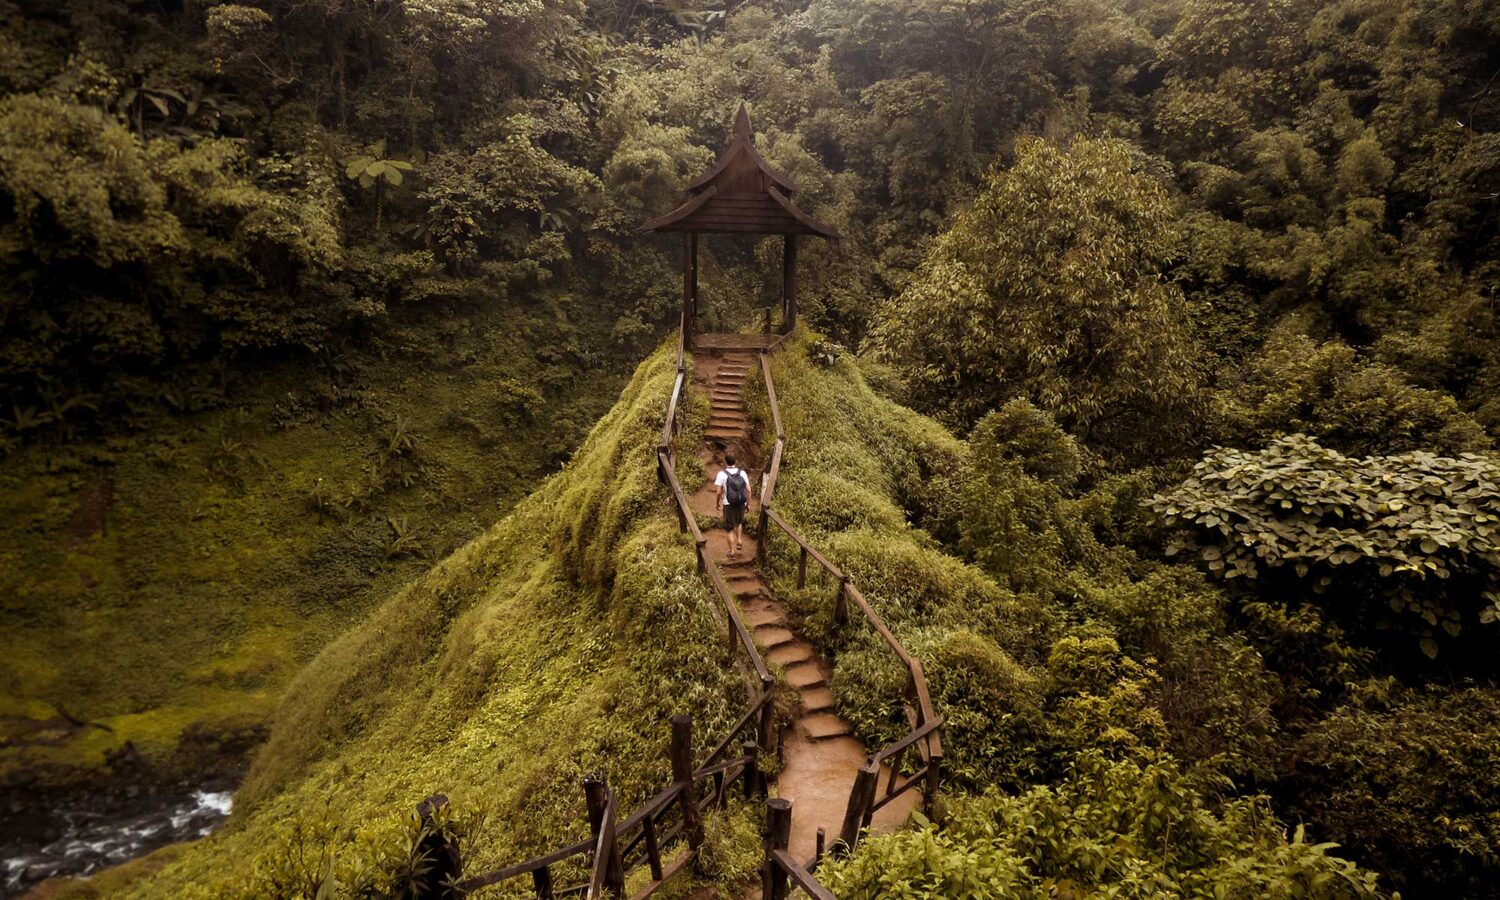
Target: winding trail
x=819, y=753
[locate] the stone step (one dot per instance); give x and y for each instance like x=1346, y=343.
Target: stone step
x=818, y=699
x=731, y=380
x=736, y=367
x=805, y=675
x=764, y=617
x=824, y=725
x=791, y=653
x=770, y=636
x=732, y=434
x=721, y=420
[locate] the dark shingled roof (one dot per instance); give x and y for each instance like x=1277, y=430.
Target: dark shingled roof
x=741, y=193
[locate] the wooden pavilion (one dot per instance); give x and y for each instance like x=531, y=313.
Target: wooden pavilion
x=739, y=194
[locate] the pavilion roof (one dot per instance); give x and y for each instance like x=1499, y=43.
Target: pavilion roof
x=741, y=193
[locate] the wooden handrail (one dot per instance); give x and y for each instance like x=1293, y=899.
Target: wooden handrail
x=670, y=425
x=925, y=728
x=799, y=874
x=801, y=542
x=765, y=372
x=744, y=721
x=912, y=737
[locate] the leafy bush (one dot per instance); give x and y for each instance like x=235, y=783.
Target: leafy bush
x=1411, y=785
x=1351, y=404
x=1420, y=531
x=1110, y=828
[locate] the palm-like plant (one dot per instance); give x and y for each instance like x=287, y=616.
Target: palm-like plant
x=373, y=169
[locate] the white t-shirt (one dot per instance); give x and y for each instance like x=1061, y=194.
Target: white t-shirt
x=723, y=476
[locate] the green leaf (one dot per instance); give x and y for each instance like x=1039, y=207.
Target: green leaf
x=1429, y=647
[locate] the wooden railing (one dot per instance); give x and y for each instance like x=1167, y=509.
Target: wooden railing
x=671, y=818
x=674, y=816
x=926, y=724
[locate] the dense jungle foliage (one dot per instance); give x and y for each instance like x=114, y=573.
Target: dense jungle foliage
x=1152, y=395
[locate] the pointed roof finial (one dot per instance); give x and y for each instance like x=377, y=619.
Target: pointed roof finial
x=742, y=123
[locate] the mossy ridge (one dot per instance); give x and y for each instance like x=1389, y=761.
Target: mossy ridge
x=224, y=568
x=856, y=474
x=558, y=642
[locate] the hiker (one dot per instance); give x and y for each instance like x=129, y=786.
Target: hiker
x=732, y=485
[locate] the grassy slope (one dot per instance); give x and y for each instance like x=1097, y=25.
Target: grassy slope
x=215, y=581
x=857, y=467
x=558, y=642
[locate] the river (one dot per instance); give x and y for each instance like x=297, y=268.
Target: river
x=91, y=840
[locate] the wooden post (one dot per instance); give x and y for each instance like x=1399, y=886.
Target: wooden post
x=789, y=283
x=596, y=797
x=693, y=287
x=841, y=602
x=689, y=288
x=541, y=880
x=767, y=717
x=860, y=799
x=762, y=534
x=778, y=836
x=748, y=777
x=443, y=864
x=895, y=765
x=934, y=764
x=653, y=852
x=682, y=774
x=818, y=849
x=802, y=568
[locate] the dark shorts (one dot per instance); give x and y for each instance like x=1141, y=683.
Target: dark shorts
x=734, y=516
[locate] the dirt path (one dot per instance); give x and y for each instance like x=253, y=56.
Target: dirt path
x=819, y=753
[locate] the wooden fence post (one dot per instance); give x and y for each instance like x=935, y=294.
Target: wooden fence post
x=765, y=736
x=778, y=836
x=802, y=568
x=596, y=797
x=541, y=880
x=443, y=864
x=750, y=777
x=934, y=764
x=682, y=774
x=763, y=534
x=841, y=602
x=861, y=798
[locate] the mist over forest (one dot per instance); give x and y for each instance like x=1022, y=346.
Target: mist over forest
x=1138, y=360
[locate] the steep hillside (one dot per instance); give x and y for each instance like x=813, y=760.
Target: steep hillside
x=204, y=557
x=557, y=643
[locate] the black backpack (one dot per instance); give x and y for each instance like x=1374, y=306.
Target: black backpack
x=736, y=490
